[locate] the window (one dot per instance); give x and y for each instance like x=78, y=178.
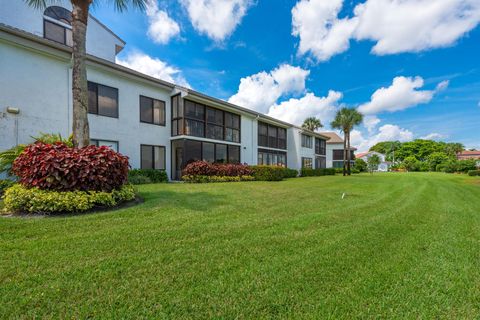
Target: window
x=271, y=157
x=337, y=155
x=57, y=25
x=233, y=154
x=272, y=136
x=152, y=111
x=208, y=152
x=221, y=153
x=307, y=163
x=193, y=151
x=320, y=162
x=102, y=100
x=100, y=143
x=306, y=141
x=195, y=119
x=152, y=157
x=320, y=146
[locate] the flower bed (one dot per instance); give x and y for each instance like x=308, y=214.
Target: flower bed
x=208, y=179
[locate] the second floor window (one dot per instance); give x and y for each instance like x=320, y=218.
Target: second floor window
x=102, y=100
x=306, y=141
x=320, y=146
x=152, y=111
x=271, y=136
x=57, y=25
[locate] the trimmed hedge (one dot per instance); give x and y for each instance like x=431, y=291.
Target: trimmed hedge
x=305, y=172
x=268, y=173
x=204, y=168
x=142, y=176
x=208, y=179
x=474, y=173
x=290, y=173
x=21, y=199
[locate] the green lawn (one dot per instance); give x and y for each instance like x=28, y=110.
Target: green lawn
x=398, y=246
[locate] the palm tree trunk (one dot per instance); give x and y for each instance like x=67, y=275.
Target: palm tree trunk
x=80, y=128
x=349, y=154
x=344, y=152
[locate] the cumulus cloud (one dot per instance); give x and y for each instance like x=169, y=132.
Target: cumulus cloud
x=370, y=122
x=154, y=67
x=394, y=26
x=387, y=132
x=400, y=95
x=161, y=27
x=296, y=110
x=216, y=18
x=433, y=136
x=262, y=90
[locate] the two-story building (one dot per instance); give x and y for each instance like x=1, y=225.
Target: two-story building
x=334, y=152
x=155, y=123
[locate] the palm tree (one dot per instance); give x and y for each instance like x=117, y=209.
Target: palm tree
x=80, y=9
x=312, y=124
x=345, y=120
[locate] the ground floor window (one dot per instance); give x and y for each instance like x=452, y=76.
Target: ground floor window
x=320, y=162
x=307, y=163
x=152, y=157
x=194, y=150
x=272, y=158
x=107, y=143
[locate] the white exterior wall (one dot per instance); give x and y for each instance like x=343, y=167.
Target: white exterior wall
x=16, y=13
x=249, y=140
x=40, y=86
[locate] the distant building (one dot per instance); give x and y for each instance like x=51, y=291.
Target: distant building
x=335, y=150
x=383, y=166
x=465, y=155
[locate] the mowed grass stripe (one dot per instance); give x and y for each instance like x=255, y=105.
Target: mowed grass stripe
x=397, y=246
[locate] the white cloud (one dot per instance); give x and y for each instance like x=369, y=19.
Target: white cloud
x=216, y=18
x=154, y=67
x=161, y=27
x=262, y=90
x=387, y=132
x=370, y=122
x=433, y=136
x=394, y=26
x=400, y=95
x=297, y=110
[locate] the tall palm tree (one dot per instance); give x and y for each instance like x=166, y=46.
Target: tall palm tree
x=312, y=124
x=345, y=120
x=80, y=9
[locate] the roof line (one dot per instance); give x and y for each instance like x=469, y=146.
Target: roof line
x=64, y=48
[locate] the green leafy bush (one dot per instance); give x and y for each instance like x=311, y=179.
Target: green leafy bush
x=268, y=173
x=474, y=173
x=290, y=173
x=33, y=200
x=360, y=165
x=155, y=176
x=138, y=179
x=4, y=184
x=306, y=172
x=208, y=179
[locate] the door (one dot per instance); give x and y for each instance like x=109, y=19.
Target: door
x=178, y=163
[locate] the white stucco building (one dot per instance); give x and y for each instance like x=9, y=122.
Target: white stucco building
x=334, y=152
x=155, y=123
x=384, y=165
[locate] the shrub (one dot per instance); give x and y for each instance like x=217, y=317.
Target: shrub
x=473, y=173
x=268, y=173
x=208, y=179
x=139, y=179
x=203, y=168
x=19, y=198
x=290, y=173
x=360, y=165
x=62, y=168
x=466, y=165
x=306, y=172
x=5, y=184
x=154, y=176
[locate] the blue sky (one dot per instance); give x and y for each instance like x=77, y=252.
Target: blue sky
x=293, y=59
